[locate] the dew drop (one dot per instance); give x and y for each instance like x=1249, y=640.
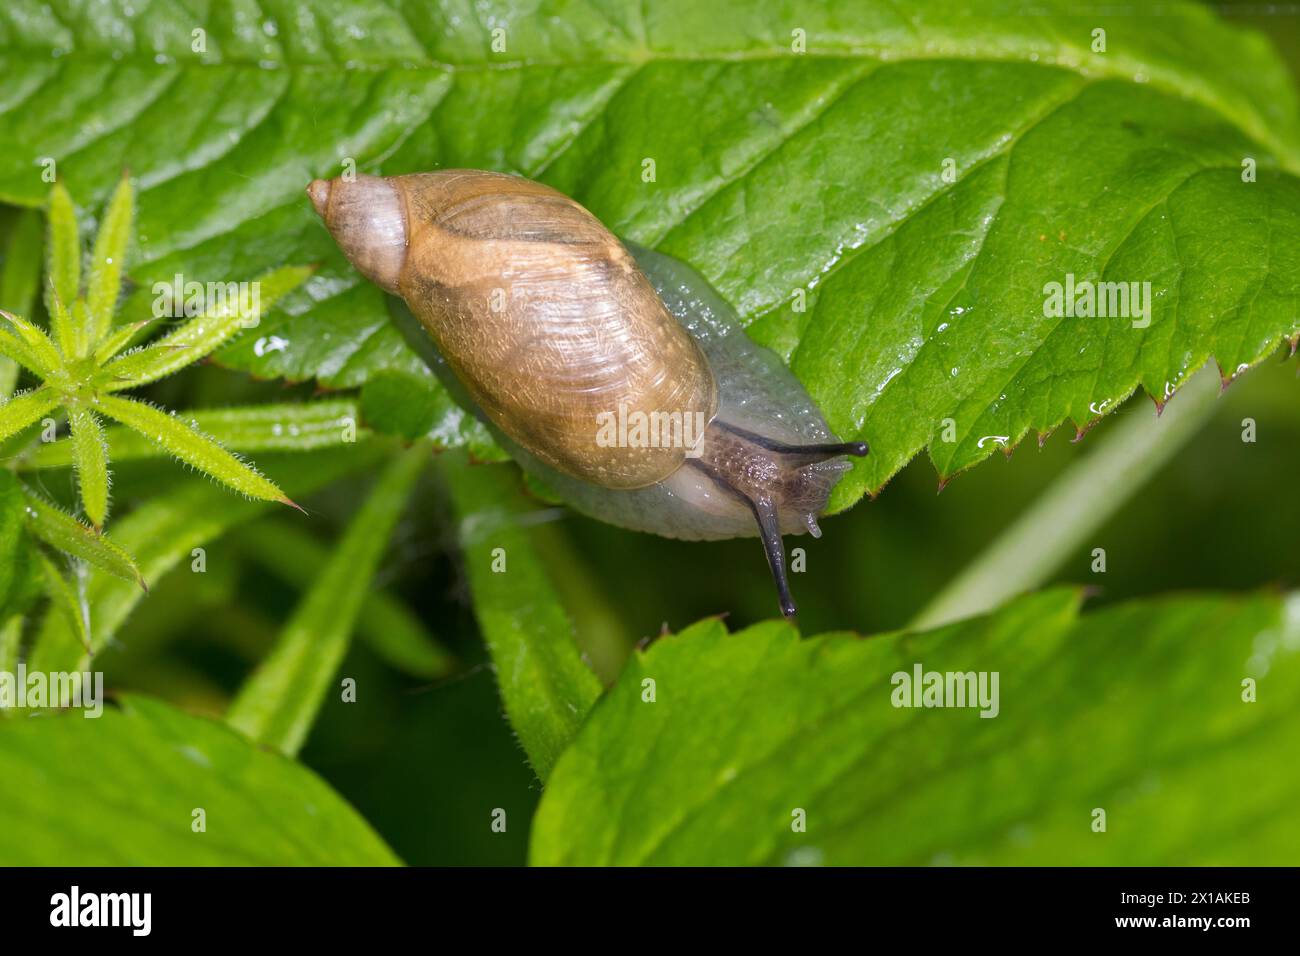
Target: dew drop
x=269, y=343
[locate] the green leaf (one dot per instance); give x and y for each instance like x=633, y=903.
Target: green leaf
x=121, y=790
x=109, y=255
x=391, y=630
x=278, y=704
x=66, y=602
x=41, y=355
x=546, y=687
x=190, y=445
x=90, y=458
x=164, y=531
x=19, y=278
x=63, y=269
x=817, y=175
x=15, y=355
x=336, y=329
x=11, y=636
x=1138, y=709
x=225, y=317
x=416, y=406
x=12, y=539
x=60, y=530
x=24, y=409
x=280, y=427
x=117, y=340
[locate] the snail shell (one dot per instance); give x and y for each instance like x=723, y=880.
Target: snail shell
x=556, y=331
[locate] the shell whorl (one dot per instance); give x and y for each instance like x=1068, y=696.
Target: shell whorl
x=546, y=319
x=367, y=218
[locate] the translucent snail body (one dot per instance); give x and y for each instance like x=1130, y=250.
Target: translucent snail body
x=562, y=337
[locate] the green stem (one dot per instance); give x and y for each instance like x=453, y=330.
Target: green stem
x=1078, y=502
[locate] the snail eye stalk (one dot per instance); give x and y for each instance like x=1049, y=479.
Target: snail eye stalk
x=799, y=455
x=769, y=529
x=763, y=502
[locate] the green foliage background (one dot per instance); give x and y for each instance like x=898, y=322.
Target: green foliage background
x=442, y=733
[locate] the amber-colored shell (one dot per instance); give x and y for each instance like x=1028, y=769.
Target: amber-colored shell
x=549, y=323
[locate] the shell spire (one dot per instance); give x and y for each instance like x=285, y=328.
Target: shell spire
x=367, y=217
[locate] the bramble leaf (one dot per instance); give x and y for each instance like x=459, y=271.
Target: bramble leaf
x=762, y=748
x=884, y=205
x=143, y=766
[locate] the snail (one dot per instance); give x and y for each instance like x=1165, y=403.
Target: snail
x=619, y=377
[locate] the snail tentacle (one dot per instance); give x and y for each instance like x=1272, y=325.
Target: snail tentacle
x=780, y=484
x=769, y=531
x=813, y=452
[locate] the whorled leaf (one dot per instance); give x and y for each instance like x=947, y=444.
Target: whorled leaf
x=65, y=600
x=224, y=317
x=177, y=437
x=882, y=190
x=25, y=409
x=117, y=340
x=761, y=748
x=107, y=260
x=60, y=530
x=15, y=356
x=12, y=543
x=165, y=530
x=303, y=426
x=39, y=353
x=63, y=268
x=90, y=460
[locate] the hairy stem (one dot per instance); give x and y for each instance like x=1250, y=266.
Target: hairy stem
x=1078, y=502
